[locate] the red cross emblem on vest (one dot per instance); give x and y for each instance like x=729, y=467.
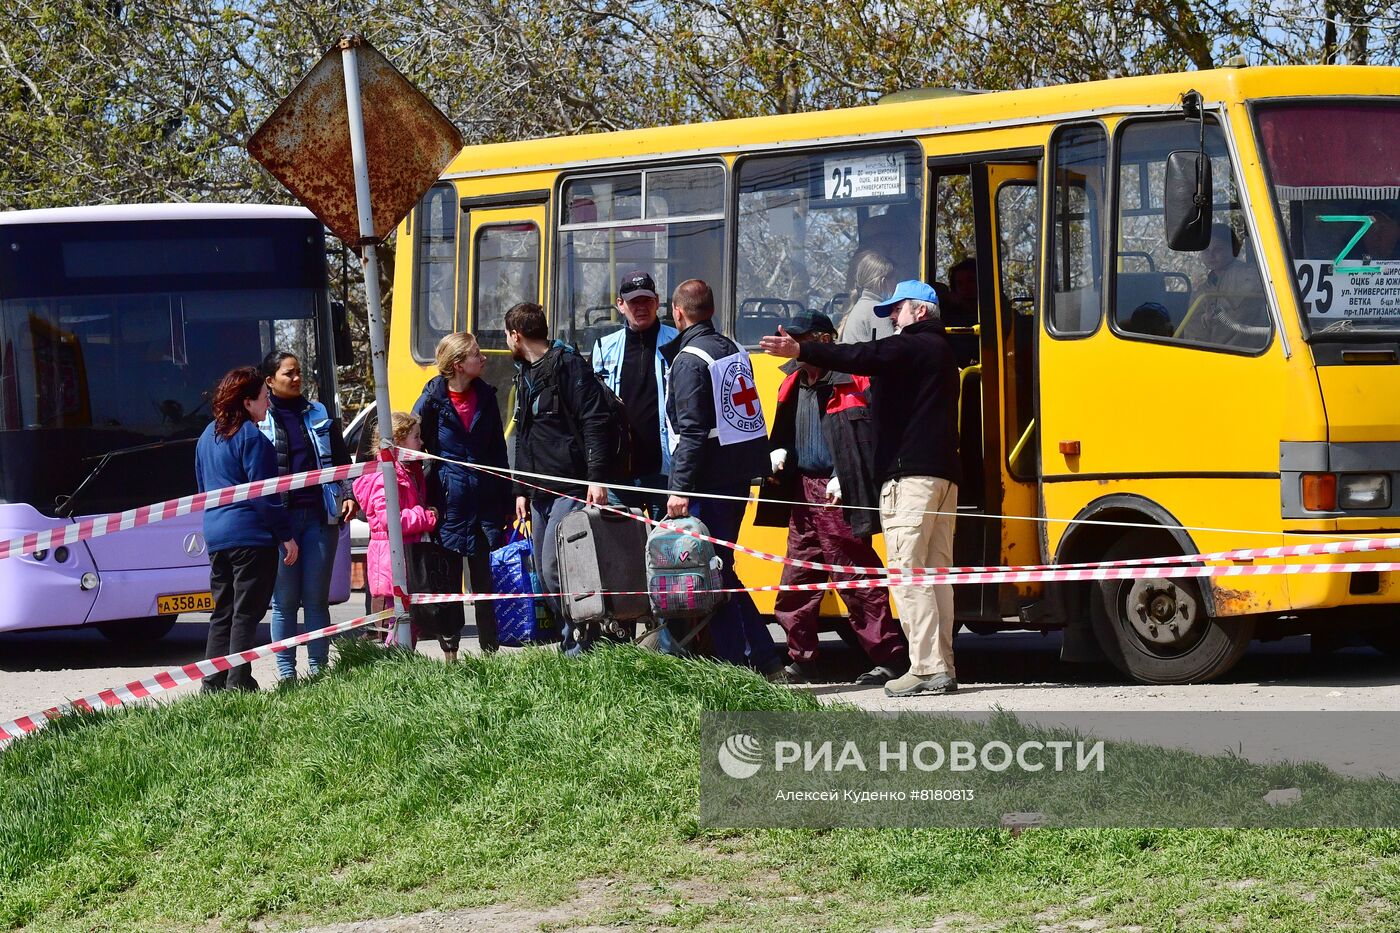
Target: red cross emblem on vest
x=745, y=395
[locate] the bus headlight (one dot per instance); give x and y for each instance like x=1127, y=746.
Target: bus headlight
x=1363, y=491
x=88, y=581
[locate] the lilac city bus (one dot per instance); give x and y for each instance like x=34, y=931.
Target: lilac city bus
x=115, y=325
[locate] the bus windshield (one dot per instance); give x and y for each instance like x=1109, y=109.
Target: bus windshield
x=1336, y=180
x=113, y=335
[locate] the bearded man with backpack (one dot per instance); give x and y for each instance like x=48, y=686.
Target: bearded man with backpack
x=566, y=426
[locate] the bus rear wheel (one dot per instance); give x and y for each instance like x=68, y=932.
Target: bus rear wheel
x=1159, y=631
x=137, y=631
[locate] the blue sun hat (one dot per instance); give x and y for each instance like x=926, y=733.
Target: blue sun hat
x=912, y=288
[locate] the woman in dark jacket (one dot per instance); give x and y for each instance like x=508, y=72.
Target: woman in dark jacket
x=461, y=421
x=242, y=537
x=305, y=437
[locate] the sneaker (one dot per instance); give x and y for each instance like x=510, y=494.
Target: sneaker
x=800, y=672
x=912, y=684
x=877, y=676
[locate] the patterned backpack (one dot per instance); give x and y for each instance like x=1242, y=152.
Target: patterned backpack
x=681, y=570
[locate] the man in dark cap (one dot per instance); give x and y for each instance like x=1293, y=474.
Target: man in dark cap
x=632, y=365
x=823, y=450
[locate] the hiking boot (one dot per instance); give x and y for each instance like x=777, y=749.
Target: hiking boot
x=877, y=676
x=912, y=684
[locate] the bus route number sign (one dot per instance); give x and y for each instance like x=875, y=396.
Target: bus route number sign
x=1374, y=293
x=849, y=178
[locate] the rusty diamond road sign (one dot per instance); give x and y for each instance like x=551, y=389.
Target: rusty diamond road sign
x=305, y=144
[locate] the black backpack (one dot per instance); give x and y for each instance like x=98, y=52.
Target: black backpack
x=618, y=438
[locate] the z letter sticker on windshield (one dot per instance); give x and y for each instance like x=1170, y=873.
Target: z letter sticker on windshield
x=1349, y=288
x=1342, y=266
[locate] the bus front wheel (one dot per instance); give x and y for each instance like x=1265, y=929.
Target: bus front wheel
x=1159, y=631
x=137, y=631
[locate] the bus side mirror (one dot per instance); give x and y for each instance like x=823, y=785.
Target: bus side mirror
x=340, y=334
x=1186, y=199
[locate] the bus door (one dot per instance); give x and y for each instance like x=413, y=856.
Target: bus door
x=983, y=261
x=1010, y=199
x=499, y=266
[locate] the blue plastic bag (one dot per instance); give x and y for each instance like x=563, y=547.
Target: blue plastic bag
x=518, y=621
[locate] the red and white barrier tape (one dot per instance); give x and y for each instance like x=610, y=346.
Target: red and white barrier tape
x=422, y=599
x=877, y=577
x=175, y=677
x=961, y=579
x=1240, y=554
x=990, y=516
x=100, y=525
x=168, y=680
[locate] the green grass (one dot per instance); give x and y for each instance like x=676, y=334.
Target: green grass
x=396, y=784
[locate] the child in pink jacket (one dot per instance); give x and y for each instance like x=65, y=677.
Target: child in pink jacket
x=417, y=519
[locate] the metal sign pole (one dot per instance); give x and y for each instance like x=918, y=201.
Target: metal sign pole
x=378, y=352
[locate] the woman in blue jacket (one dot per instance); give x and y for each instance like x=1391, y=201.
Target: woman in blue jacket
x=462, y=421
x=305, y=437
x=242, y=537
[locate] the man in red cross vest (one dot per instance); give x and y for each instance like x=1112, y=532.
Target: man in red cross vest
x=719, y=447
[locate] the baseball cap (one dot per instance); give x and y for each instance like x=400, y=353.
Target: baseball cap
x=810, y=322
x=636, y=284
x=911, y=288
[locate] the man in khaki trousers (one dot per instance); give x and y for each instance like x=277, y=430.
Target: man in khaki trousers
x=914, y=397
x=916, y=514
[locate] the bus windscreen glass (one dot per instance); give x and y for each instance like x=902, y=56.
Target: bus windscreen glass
x=1336, y=179
x=106, y=347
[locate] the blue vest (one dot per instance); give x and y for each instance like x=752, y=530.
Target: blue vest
x=318, y=427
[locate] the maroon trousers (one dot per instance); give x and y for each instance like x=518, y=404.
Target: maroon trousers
x=822, y=534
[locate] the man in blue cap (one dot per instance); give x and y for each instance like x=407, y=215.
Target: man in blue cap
x=914, y=397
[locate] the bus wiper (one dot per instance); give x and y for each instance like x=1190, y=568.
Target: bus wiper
x=1344, y=325
x=66, y=509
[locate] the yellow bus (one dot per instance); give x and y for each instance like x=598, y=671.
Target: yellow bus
x=1180, y=322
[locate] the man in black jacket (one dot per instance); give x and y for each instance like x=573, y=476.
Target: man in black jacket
x=823, y=445
x=561, y=429
x=914, y=395
x=719, y=445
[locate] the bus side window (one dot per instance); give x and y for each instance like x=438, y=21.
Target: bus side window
x=1213, y=298
x=809, y=223
x=1080, y=156
x=435, y=255
x=667, y=222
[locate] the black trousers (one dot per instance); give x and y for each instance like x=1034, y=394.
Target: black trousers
x=241, y=580
x=477, y=576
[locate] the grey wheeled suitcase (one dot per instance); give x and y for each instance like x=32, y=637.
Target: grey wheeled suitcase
x=603, y=552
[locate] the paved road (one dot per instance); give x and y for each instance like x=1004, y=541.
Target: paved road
x=1018, y=671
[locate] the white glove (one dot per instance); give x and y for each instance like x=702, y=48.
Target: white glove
x=778, y=458
x=833, y=490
